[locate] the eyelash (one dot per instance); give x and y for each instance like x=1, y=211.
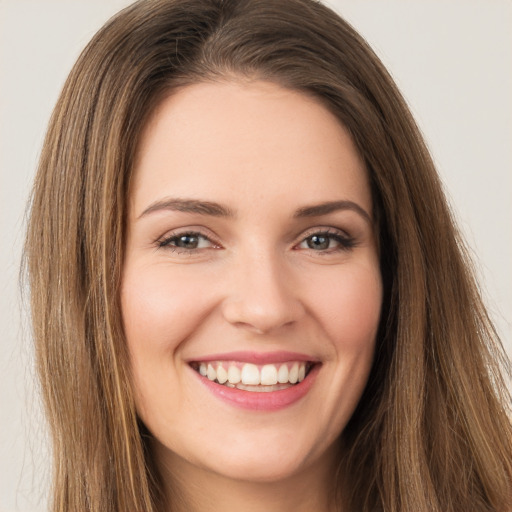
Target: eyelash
x=166, y=242
x=345, y=242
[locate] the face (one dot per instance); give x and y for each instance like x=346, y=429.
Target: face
x=251, y=290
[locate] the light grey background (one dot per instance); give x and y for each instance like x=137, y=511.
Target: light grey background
x=451, y=59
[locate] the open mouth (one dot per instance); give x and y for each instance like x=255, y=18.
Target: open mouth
x=253, y=377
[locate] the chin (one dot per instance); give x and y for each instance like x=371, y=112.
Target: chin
x=258, y=469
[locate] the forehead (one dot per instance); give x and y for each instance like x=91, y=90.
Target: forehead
x=235, y=142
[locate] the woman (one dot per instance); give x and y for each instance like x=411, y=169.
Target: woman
x=247, y=288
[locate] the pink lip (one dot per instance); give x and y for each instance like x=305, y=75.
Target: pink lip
x=265, y=401
x=257, y=357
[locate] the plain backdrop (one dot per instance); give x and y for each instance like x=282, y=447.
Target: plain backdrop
x=453, y=63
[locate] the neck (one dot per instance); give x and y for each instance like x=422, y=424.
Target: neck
x=193, y=489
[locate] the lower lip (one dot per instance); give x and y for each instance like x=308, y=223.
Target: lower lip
x=261, y=401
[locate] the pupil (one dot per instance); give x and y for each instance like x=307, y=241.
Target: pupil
x=188, y=241
x=318, y=242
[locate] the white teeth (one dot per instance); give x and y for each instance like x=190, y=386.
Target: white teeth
x=211, y=373
x=269, y=375
x=302, y=372
x=222, y=375
x=250, y=374
x=236, y=374
x=282, y=374
x=293, y=376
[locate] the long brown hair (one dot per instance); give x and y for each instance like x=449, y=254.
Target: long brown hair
x=432, y=430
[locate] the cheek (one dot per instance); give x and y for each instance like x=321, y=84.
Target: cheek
x=159, y=310
x=348, y=304
x=349, y=312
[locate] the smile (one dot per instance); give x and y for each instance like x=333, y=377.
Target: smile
x=252, y=377
x=269, y=381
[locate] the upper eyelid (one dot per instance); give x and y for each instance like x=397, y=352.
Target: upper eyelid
x=164, y=243
x=173, y=236
x=194, y=230
x=326, y=230
x=341, y=236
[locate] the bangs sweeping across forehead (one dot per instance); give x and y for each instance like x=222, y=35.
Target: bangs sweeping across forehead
x=429, y=433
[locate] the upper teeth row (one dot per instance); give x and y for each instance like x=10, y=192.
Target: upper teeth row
x=250, y=374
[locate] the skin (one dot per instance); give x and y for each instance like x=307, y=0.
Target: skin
x=254, y=283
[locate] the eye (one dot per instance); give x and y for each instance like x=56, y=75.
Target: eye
x=327, y=241
x=188, y=241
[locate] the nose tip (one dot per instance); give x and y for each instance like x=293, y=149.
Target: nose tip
x=262, y=300
x=259, y=319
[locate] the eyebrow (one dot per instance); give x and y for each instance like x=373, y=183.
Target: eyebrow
x=189, y=206
x=217, y=210
x=329, y=207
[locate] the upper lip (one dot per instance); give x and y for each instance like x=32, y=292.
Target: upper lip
x=257, y=357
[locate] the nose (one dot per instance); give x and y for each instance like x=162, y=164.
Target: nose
x=262, y=297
